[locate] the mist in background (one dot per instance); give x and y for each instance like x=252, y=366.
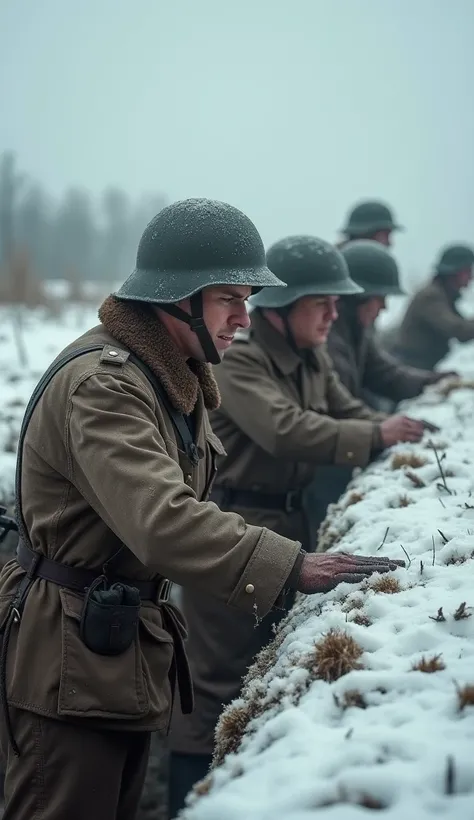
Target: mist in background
x=292, y=111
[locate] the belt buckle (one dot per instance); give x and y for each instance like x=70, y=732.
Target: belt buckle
x=164, y=591
x=290, y=499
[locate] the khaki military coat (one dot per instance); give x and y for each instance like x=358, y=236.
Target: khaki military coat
x=362, y=364
x=430, y=322
x=102, y=469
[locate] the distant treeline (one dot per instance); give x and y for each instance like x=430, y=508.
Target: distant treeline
x=76, y=238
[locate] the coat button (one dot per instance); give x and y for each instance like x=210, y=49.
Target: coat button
x=113, y=353
x=189, y=479
x=350, y=454
x=249, y=589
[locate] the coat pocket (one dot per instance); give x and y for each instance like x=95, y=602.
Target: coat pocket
x=104, y=686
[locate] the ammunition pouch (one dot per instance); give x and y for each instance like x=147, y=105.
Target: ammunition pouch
x=110, y=617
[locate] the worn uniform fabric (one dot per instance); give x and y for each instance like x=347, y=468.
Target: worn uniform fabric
x=280, y=416
x=368, y=372
x=47, y=782
x=430, y=322
x=102, y=468
x=362, y=364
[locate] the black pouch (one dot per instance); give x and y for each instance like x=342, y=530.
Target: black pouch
x=110, y=616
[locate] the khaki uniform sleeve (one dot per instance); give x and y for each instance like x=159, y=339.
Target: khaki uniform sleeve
x=119, y=462
x=385, y=376
x=257, y=404
x=360, y=434
x=438, y=314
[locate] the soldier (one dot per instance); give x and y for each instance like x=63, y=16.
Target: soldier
x=360, y=362
x=283, y=410
x=370, y=219
x=115, y=462
x=432, y=319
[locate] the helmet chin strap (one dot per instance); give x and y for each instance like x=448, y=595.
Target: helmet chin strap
x=284, y=312
x=196, y=322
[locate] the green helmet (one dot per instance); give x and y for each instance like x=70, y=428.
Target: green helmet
x=368, y=217
x=191, y=245
x=194, y=244
x=373, y=267
x=453, y=259
x=310, y=267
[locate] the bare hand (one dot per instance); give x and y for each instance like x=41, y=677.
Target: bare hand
x=445, y=374
x=400, y=428
x=321, y=572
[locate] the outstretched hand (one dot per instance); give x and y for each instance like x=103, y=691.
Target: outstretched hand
x=322, y=572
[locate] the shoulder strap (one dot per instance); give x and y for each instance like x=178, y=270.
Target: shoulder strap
x=179, y=422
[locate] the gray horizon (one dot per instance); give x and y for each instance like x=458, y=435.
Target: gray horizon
x=290, y=111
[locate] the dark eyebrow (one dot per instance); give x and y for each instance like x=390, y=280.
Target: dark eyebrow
x=230, y=291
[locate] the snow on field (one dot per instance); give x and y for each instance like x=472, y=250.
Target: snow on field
x=365, y=700
x=44, y=336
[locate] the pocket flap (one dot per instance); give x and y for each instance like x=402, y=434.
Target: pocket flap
x=152, y=621
x=72, y=603
x=215, y=443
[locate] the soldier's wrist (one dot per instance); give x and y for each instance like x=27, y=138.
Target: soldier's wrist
x=377, y=440
x=294, y=576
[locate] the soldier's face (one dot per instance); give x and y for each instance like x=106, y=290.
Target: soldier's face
x=311, y=319
x=370, y=309
x=463, y=278
x=383, y=238
x=225, y=312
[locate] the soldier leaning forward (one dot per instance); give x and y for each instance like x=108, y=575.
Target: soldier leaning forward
x=360, y=360
x=283, y=411
x=115, y=462
x=432, y=318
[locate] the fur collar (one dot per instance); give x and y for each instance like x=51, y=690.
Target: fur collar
x=136, y=326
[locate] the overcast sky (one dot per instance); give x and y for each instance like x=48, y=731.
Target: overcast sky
x=289, y=109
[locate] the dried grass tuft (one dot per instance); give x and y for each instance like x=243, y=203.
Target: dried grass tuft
x=370, y=802
x=203, y=787
x=403, y=501
x=231, y=727
x=354, y=498
x=352, y=602
x=263, y=662
x=447, y=387
x=386, y=584
x=465, y=696
x=456, y=558
x=361, y=619
x=336, y=654
x=354, y=698
x=434, y=664
x=400, y=460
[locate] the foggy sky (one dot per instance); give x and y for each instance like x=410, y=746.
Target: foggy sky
x=289, y=109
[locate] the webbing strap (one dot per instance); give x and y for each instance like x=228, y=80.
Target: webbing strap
x=178, y=419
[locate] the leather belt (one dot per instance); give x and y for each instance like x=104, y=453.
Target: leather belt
x=291, y=501
x=79, y=579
